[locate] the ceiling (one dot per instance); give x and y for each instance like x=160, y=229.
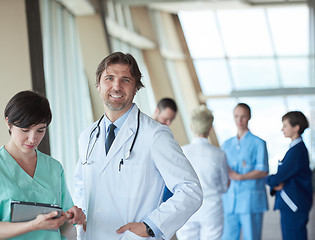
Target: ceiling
x=89, y=7
x=175, y=6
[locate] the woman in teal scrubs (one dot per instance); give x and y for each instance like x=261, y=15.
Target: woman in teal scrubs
x=28, y=175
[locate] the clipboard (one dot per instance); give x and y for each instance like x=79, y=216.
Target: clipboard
x=27, y=211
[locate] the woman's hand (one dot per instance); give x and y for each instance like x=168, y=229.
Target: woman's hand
x=279, y=187
x=75, y=215
x=48, y=221
x=42, y=221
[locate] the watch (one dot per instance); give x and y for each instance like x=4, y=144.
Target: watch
x=149, y=230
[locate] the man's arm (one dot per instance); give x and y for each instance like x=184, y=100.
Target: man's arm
x=261, y=166
x=180, y=177
x=255, y=174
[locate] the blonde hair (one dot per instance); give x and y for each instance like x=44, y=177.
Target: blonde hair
x=201, y=120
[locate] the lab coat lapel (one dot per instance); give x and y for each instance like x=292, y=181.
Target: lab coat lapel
x=119, y=145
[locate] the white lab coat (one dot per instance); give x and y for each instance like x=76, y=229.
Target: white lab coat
x=211, y=166
x=113, y=198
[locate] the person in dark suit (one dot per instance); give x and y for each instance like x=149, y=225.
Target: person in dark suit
x=292, y=184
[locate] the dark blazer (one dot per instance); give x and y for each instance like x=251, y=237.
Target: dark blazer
x=295, y=173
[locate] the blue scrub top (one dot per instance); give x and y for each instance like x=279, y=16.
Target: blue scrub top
x=245, y=155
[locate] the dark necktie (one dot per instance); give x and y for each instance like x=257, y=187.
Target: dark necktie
x=110, y=138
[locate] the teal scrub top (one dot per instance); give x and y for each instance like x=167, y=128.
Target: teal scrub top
x=244, y=155
x=47, y=186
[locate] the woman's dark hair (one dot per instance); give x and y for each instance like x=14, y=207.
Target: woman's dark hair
x=28, y=108
x=120, y=58
x=296, y=118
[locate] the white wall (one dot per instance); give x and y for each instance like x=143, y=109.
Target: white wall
x=15, y=72
x=94, y=49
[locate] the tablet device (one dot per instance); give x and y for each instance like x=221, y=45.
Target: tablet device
x=26, y=211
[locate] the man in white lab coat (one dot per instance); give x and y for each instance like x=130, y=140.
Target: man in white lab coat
x=120, y=182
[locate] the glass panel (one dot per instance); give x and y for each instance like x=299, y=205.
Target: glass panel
x=116, y=44
x=306, y=104
x=201, y=34
x=289, y=28
x=266, y=123
x=248, y=43
x=65, y=83
x=213, y=77
x=254, y=74
x=295, y=72
x=301, y=103
x=223, y=124
x=245, y=32
x=145, y=96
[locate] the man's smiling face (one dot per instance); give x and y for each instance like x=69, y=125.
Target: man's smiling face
x=117, y=88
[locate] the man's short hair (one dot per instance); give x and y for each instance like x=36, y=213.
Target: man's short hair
x=246, y=107
x=120, y=58
x=167, y=103
x=296, y=118
x=201, y=120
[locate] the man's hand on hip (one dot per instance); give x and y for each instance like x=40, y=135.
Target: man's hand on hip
x=137, y=228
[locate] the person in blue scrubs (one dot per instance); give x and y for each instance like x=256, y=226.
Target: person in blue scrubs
x=246, y=199
x=292, y=184
x=28, y=175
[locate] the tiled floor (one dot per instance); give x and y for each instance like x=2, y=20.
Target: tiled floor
x=272, y=229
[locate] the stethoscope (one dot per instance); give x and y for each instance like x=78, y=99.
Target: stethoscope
x=97, y=130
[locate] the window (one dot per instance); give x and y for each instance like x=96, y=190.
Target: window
x=239, y=50
x=66, y=85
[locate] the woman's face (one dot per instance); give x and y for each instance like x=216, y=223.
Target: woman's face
x=289, y=131
x=27, y=139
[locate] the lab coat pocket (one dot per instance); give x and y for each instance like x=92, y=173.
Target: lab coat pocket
x=131, y=236
x=132, y=180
